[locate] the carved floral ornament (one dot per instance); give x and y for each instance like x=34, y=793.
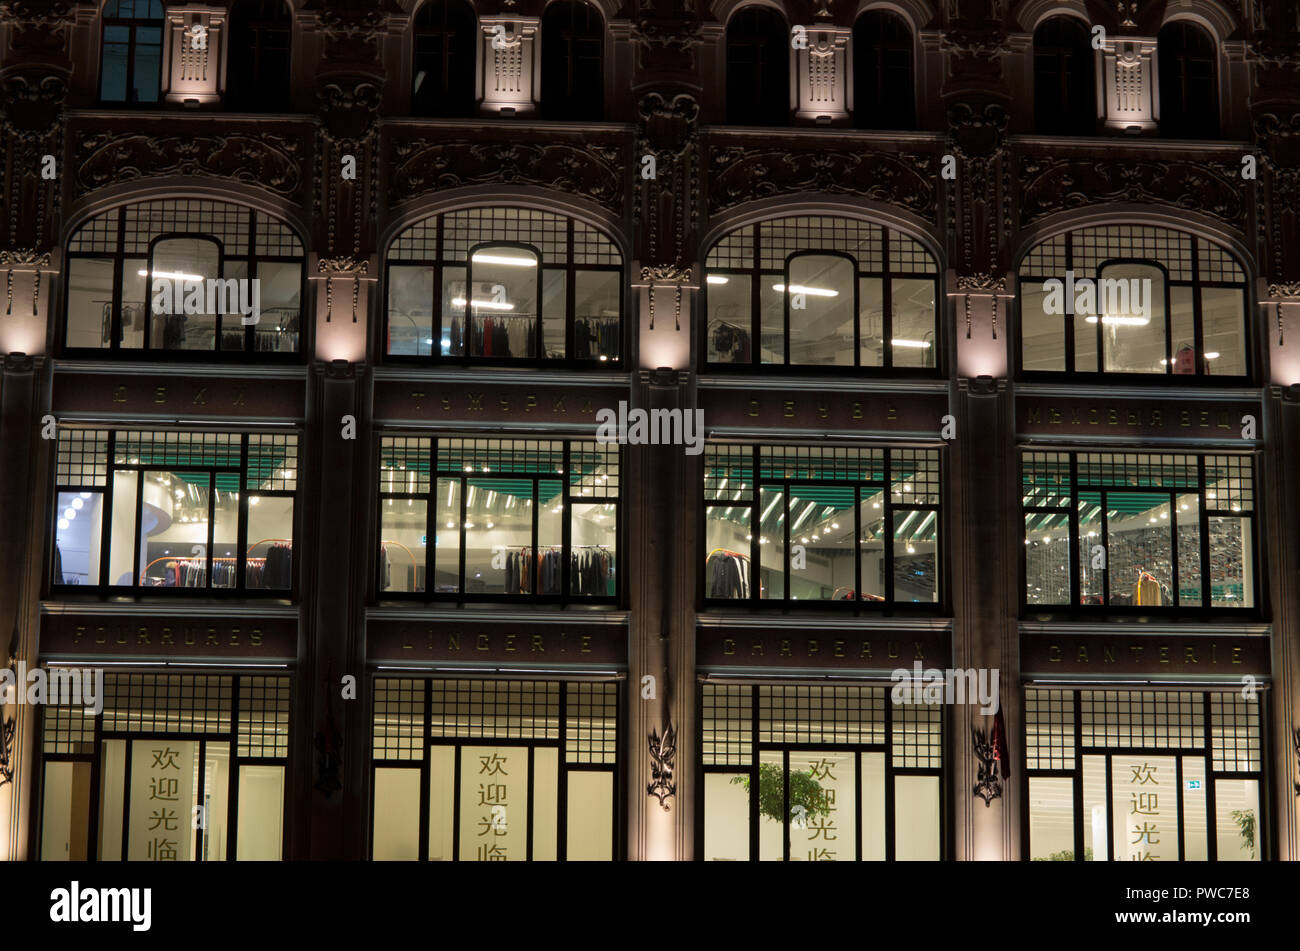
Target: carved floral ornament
x=32, y=105
x=23, y=260
x=673, y=275
x=346, y=266
x=982, y=285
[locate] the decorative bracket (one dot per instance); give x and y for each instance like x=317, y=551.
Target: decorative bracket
x=982, y=285
x=989, y=786
x=663, y=754
x=1296, y=735
x=1280, y=294
x=674, y=275
x=23, y=260
x=345, y=265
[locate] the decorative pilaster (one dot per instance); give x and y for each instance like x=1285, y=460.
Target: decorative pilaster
x=193, y=70
x=821, y=89
x=1130, y=102
x=510, y=78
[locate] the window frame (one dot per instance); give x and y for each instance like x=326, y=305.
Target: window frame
x=880, y=116
x=1068, y=112
x=258, y=28
x=104, y=588
x=1205, y=513
x=119, y=257
x=1184, y=124
x=859, y=488
x=571, y=48
x=439, y=263
x=754, y=110
x=443, y=32
x=430, y=499
x=133, y=24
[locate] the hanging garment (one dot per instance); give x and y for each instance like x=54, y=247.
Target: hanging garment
x=58, y=566
x=1147, y=591
x=277, y=569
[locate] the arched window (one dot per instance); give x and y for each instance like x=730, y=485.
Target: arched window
x=504, y=285
x=1064, y=93
x=131, y=64
x=1189, y=91
x=821, y=292
x=758, y=68
x=190, y=277
x=882, y=72
x=442, y=74
x=1133, y=300
x=573, y=75
x=257, y=68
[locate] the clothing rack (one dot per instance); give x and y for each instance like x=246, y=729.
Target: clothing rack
x=728, y=574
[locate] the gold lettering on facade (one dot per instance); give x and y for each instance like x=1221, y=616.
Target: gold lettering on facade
x=756, y=649
x=728, y=646
x=510, y=643
x=160, y=394
x=789, y=409
x=584, y=644
x=823, y=410
x=557, y=405
x=481, y=643
x=119, y=394
x=530, y=403
x=753, y=407
x=1189, y=655
x=1164, y=655
x=892, y=414
x=200, y=396
x=1236, y=655
x=865, y=653
x=505, y=404
x=239, y=397
x=1035, y=414
x=475, y=402
x=857, y=409
x=838, y=648
x=446, y=404
x=453, y=642
x=1054, y=416
x=812, y=648
x=785, y=649
x=1082, y=654
x=537, y=646
x=1053, y=653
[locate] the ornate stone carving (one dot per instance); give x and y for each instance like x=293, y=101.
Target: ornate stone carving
x=974, y=52
x=982, y=285
x=262, y=159
x=594, y=170
x=32, y=104
x=352, y=29
x=741, y=173
x=25, y=259
x=1058, y=184
x=38, y=25
x=349, y=108
x=663, y=756
x=348, y=266
x=989, y=786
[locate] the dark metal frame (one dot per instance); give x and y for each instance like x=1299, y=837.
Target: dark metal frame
x=132, y=24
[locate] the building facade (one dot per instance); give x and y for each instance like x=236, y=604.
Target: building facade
x=319, y=316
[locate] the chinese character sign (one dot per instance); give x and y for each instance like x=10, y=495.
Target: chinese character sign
x=823, y=819
x=1144, y=797
x=162, y=801
x=493, y=803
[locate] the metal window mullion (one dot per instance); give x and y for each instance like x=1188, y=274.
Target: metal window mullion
x=536, y=545
x=886, y=302
x=241, y=525
x=888, y=495
x=566, y=533
x=1203, y=519
x=1076, y=563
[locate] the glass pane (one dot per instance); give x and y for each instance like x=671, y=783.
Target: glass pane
x=871, y=321
x=493, y=803
x=1131, y=302
x=1092, y=550
x=215, y=797
x=914, y=322
x=90, y=302
x=771, y=549
x=1138, y=549
x=1145, y=799
x=280, y=294
x=727, y=538
x=184, y=314
x=503, y=302
x=916, y=818
x=596, y=316
x=65, y=814
x=771, y=806
x=442, y=804
x=229, y=309
x=554, y=307
x=546, y=797
x=1096, y=841
x=1051, y=819
x=1042, y=335
x=225, y=534
x=729, y=318
x=823, y=810
x=1195, y=828
x=453, y=341
x=1047, y=558
x=79, y=530
x=410, y=311
x=402, y=543
x=113, y=69
x=591, y=816
x=137, y=303
x=1232, y=564
x=873, y=806
x=270, y=542
x=771, y=326
x=174, y=532
x=1182, y=322
x=821, y=309
x=916, y=549
x=148, y=64
x=726, y=817
x=164, y=779
x=872, y=516
x=1223, y=325
x=550, y=531
x=121, y=545
x=1189, y=550
x=822, y=558
x=396, y=834
x=261, y=813
x=1236, y=819
x=446, y=526
x=112, y=797
x=1085, y=337
x=595, y=536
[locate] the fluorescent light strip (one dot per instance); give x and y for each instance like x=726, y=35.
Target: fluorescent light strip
x=716, y=279
x=174, y=274
x=504, y=259
x=914, y=344
x=482, y=304
x=810, y=291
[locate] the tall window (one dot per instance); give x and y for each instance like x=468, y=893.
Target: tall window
x=758, y=68
x=257, y=68
x=827, y=292
x=501, y=771
x=883, y=87
x=1143, y=775
x=1189, y=90
x=445, y=38
x=131, y=57
x=494, y=519
x=1142, y=532
x=1064, y=93
x=127, y=784
x=505, y=285
x=1133, y=299
x=148, y=512
x=807, y=524
x=190, y=277
x=573, y=75
x=811, y=773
